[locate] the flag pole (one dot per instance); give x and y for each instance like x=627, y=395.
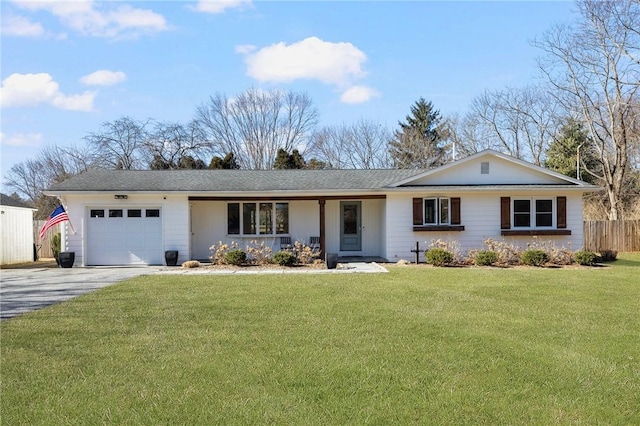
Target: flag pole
x=69, y=219
x=71, y=225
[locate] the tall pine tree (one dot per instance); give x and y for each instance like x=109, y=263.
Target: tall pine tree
x=563, y=151
x=420, y=141
x=227, y=163
x=285, y=161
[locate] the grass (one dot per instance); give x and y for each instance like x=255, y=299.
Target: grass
x=415, y=346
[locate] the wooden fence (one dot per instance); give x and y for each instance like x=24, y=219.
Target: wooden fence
x=43, y=246
x=619, y=235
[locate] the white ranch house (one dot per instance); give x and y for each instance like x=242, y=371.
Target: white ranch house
x=132, y=217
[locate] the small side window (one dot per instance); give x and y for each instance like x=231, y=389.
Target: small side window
x=152, y=213
x=97, y=213
x=115, y=213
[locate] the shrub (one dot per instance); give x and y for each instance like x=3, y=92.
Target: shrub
x=55, y=245
x=535, y=257
x=439, y=257
x=608, y=255
x=235, y=257
x=304, y=254
x=284, y=258
x=557, y=256
x=486, y=258
x=508, y=254
x=191, y=264
x=259, y=253
x=585, y=258
x=452, y=246
x=219, y=251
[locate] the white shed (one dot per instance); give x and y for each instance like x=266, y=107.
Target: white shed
x=16, y=231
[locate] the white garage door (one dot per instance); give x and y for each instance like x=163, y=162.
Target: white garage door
x=124, y=236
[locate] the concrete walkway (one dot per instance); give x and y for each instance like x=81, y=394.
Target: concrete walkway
x=342, y=268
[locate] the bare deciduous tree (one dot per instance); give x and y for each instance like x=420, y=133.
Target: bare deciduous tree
x=53, y=164
x=169, y=143
x=256, y=123
x=595, y=74
x=119, y=144
x=362, y=145
x=518, y=121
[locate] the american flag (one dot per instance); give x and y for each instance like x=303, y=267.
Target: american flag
x=58, y=215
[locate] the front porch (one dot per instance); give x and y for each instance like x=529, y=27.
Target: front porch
x=349, y=226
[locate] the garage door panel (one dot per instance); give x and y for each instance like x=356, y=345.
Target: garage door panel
x=124, y=240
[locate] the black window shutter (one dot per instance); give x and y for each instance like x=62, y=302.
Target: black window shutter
x=561, y=219
x=505, y=212
x=417, y=211
x=455, y=211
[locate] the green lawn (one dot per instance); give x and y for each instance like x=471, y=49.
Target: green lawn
x=418, y=345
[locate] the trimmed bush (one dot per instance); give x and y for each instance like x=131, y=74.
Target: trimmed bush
x=534, y=257
x=235, y=257
x=284, y=258
x=485, y=258
x=585, y=258
x=608, y=255
x=55, y=245
x=439, y=257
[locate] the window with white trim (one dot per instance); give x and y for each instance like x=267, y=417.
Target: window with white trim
x=258, y=218
x=533, y=213
x=436, y=211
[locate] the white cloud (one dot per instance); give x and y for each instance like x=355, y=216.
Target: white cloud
x=21, y=27
x=358, y=95
x=103, y=78
x=311, y=58
x=20, y=90
x=100, y=19
x=219, y=6
x=337, y=64
x=22, y=139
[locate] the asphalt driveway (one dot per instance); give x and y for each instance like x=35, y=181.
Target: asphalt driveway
x=26, y=290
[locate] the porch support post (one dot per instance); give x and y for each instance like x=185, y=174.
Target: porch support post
x=322, y=203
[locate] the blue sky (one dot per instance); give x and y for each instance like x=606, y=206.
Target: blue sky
x=67, y=67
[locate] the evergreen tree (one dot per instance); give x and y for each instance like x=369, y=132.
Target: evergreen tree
x=296, y=161
x=158, y=163
x=315, y=164
x=420, y=141
x=282, y=160
x=227, y=163
x=563, y=151
x=188, y=162
x=285, y=161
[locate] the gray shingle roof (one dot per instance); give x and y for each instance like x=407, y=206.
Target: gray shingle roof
x=6, y=200
x=231, y=180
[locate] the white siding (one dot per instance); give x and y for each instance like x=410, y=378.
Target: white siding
x=501, y=172
x=480, y=215
x=16, y=233
x=174, y=215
